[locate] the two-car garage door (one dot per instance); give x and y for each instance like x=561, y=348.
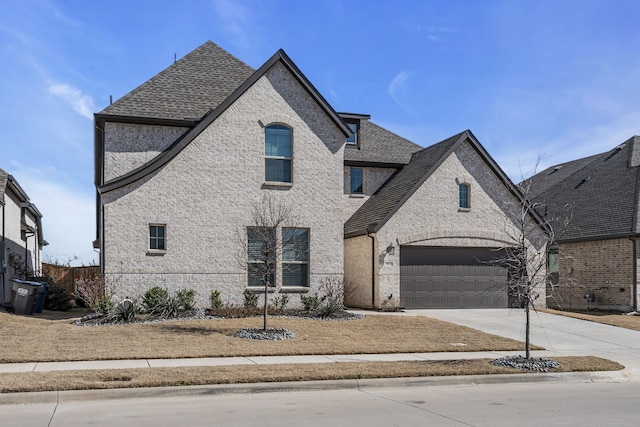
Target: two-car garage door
x=436, y=277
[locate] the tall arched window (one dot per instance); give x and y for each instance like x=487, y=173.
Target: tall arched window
x=277, y=153
x=464, y=196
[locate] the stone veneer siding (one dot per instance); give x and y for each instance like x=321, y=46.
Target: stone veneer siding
x=431, y=217
x=128, y=146
x=204, y=196
x=358, y=270
x=374, y=178
x=602, y=266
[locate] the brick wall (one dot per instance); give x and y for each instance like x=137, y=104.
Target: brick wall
x=204, y=196
x=604, y=267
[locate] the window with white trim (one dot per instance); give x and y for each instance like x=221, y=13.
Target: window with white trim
x=353, y=138
x=277, y=153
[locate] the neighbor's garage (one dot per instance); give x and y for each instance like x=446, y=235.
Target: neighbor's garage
x=437, y=277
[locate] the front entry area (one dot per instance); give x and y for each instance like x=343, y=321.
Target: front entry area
x=438, y=277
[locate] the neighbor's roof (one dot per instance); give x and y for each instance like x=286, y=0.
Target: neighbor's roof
x=598, y=193
x=378, y=145
x=187, y=89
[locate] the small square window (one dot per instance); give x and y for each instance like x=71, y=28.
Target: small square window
x=157, y=237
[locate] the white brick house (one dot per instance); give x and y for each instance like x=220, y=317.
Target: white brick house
x=182, y=159
x=21, y=239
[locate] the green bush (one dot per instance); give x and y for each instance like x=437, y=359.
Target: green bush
x=250, y=300
x=330, y=309
x=310, y=302
x=281, y=302
x=187, y=298
x=155, y=299
x=216, y=300
x=125, y=311
x=104, y=305
x=58, y=299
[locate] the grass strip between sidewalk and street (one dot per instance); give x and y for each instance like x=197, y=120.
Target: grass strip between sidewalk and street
x=184, y=376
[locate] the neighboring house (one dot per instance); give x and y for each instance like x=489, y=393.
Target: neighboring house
x=183, y=159
x=21, y=239
x=597, y=253
x=430, y=237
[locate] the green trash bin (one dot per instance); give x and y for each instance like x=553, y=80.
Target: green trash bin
x=24, y=295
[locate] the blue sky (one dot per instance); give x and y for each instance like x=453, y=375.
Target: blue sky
x=557, y=79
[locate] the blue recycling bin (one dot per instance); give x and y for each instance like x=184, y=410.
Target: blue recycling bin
x=40, y=299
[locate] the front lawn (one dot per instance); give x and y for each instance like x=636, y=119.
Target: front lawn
x=607, y=317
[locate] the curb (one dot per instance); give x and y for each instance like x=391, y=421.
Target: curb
x=56, y=397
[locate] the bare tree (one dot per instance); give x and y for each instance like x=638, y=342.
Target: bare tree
x=532, y=233
x=271, y=235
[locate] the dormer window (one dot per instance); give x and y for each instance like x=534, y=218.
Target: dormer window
x=353, y=138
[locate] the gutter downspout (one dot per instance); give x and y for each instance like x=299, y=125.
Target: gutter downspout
x=372, y=236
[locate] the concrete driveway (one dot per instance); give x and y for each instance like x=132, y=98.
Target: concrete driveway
x=560, y=335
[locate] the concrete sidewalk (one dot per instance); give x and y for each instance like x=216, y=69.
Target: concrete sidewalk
x=253, y=360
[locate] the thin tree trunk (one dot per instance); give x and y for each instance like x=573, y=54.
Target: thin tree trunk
x=266, y=292
x=526, y=340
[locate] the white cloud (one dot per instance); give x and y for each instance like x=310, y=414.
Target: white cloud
x=397, y=87
x=81, y=104
x=235, y=19
x=68, y=221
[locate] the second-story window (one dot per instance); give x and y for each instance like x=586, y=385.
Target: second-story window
x=357, y=181
x=464, y=196
x=277, y=153
x=353, y=138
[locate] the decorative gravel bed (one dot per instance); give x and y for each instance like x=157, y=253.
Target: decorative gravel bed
x=201, y=314
x=261, y=334
x=538, y=364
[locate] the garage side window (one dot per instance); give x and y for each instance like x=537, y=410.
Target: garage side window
x=464, y=191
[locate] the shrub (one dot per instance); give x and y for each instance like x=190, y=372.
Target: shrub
x=250, y=300
x=104, y=305
x=329, y=309
x=216, y=300
x=91, y=291
x=155, y=299
x=333, y=288
x=58, y=299
x=310, y=302
x=125, y=311
x=187, y=298
x=281, y=301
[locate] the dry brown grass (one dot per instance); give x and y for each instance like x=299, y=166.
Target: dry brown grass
x=28, y=339
x=608, y=318
x=159, y=377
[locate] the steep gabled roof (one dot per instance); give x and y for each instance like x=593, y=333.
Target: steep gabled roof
x=552, y=176
x=599, y=193
x=187, y=89
x=379, y=207
x=378, y=145
x=162, y=159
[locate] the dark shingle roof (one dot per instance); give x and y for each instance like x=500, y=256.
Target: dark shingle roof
x=378, y=145
x=4, y=177
x=379, y=206
x=601, y=191
x=187, y=89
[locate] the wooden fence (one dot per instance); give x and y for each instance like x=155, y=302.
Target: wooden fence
x=67, y=276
